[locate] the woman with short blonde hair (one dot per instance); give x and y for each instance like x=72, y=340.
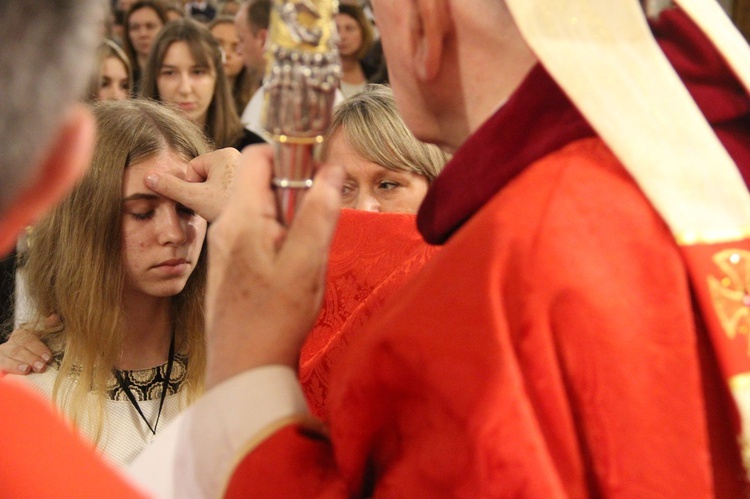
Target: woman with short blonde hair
x=387, y=168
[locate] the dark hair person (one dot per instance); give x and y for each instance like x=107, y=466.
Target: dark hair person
x=143, y=21
x=355, y=41
x=242, y=81
x=185, y=70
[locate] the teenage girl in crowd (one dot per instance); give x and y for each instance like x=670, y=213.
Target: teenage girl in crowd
x=113, y=75
x=185, y=70
x=124, y=272
x=111, y=80
x=143, y=21
x=388, y=171
x=241, y=81
x=355, y=41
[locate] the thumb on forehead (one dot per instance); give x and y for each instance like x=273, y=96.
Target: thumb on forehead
x=170, y=186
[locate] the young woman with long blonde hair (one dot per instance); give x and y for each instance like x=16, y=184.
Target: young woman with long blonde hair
x=124, y=271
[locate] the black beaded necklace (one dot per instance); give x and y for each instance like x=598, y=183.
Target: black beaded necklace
x=125, y=386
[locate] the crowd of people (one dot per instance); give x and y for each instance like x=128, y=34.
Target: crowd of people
x=513, y=274
x=145, y=357
x=210, y=75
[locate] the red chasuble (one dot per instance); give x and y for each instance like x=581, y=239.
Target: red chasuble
x=372, y=256
x=43, y=457
x=553, y=348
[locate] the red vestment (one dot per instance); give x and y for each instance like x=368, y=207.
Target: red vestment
x=552, y=348
x=43, y=457
x=365, y=268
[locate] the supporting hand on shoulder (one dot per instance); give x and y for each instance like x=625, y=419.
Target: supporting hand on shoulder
x=24, y=352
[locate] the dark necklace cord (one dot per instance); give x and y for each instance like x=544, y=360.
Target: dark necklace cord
x=125, y=385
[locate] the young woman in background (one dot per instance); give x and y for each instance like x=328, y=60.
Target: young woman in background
x=185, y=70
x=113, y=76
x=143, y=21
x=241, y=82
x=355, y=41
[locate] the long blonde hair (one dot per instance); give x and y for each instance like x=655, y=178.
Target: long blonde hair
x=74, y=263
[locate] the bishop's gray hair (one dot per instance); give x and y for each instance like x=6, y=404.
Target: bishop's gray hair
x=46, y=53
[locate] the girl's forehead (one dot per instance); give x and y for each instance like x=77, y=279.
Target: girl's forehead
x=165, y=162
x=195, y=52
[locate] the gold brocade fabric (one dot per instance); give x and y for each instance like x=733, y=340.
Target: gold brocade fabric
x=145, y=384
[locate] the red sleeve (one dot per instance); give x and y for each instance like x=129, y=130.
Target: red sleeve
x=549, y=350
x=43, y=457
x=393, y=431
x=293, y=463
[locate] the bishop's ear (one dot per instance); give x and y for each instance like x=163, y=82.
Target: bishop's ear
x=63, y=163
x=431, y=27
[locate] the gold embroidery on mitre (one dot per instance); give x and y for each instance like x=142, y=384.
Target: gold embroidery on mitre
x=730, y=292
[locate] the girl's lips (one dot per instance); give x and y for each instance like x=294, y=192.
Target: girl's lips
x=173, y=267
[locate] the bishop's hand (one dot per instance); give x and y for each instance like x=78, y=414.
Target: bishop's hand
x=265, y=281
